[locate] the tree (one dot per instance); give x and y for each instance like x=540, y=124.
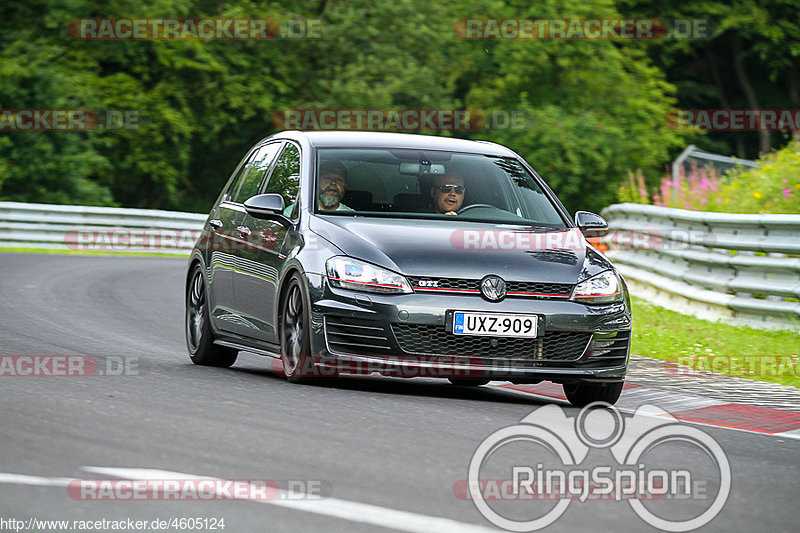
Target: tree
x=595, y=108
x=749, y=60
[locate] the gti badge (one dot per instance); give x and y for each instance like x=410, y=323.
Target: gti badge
x=429, y=283
x=493, y=288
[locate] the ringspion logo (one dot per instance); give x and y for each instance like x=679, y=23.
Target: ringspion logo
x=518, y=471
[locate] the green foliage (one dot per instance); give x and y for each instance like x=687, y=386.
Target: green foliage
x=196, y=102
x=634, y=189
x=749, y=59
x=773, y=186
x=594, y=109
x=674, y=337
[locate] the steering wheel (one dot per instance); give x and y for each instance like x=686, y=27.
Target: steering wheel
x=471, y=206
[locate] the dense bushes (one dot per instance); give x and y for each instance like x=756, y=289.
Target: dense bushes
x=773, y=186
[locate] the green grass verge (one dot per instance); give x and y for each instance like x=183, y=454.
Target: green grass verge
x=714, y=346
x=24, y=250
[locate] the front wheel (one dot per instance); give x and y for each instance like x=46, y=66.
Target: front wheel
x=298, y=364
x=199, y=337
x=582, y=394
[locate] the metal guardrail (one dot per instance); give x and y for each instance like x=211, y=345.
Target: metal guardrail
x=737, y=268
x=99, y=229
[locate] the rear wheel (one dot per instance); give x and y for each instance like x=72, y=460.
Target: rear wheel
x=298, y=364
x=582, y=394
x=199, y=337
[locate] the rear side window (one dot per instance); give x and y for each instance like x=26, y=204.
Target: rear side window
x=254, y=173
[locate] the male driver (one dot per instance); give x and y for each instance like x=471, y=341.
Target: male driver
x=332, y=184
x=447, y=192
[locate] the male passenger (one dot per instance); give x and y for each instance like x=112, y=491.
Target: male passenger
x=332, y=184
x=447, y=192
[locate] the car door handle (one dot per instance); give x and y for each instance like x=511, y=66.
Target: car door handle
x=215, y=223
x=244, y=231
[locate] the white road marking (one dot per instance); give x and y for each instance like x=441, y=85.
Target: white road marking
x=364, y=513
x=681, y=403
x=672, y=402
x=35, y=481
x=644, y=394
x=793, y=434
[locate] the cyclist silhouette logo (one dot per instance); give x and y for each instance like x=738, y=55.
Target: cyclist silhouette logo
x=634, y=442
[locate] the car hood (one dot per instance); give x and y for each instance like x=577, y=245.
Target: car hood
x=464, y=250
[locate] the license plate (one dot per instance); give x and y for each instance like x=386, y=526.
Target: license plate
x=495, y=324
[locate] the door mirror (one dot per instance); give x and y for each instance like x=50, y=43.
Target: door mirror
x=268, y=206
x=590, y=224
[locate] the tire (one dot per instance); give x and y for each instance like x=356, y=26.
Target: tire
x=468, y=382
x=298, y=364
x=199, y=337
x=582, y=394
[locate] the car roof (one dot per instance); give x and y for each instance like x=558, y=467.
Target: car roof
x=371, y=139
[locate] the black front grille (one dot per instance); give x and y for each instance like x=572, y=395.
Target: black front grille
x=540, y=289
x=523, y=289
x=425, y=339
x=447, y=283
x=356, y=336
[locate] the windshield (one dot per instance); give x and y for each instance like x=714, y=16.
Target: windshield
x=430, y=184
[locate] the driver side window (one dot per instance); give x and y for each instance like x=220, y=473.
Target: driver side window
x=285, y=179
x=255, y=172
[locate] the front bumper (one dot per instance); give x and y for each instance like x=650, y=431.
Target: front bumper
x=409, y=336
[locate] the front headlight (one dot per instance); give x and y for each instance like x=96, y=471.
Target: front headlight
x=604, y=288
x=349, y=273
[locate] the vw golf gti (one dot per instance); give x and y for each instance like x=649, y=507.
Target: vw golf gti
x=406, y=255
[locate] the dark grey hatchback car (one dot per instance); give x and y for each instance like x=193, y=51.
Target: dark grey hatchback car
x=409, y=256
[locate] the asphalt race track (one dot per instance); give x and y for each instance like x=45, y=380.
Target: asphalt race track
x=374, y=453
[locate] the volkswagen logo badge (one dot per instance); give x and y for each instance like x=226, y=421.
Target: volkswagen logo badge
x=493, y=288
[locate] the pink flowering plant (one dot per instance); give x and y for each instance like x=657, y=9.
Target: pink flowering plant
x=773, y=186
